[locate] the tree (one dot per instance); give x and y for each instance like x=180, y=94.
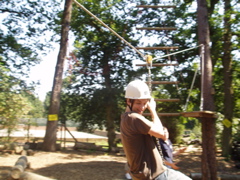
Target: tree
x=24, y=32
x=50, y=138
x=227, y=77
x=103, y=62
x=209, y=170
x=224, y=34
x=13, y=103
x=224, y=41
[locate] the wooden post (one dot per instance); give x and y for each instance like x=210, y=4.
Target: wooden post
x=70, y=133
x=18, y=171
x=19, y=167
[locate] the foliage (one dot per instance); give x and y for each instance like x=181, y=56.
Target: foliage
x=86, y=89
x=25, y=34
x=13, y=107
x=24, y=31
x=37, y=110
x=101, y=64
x=236, y=89
x=16, y=103
x=236, y=132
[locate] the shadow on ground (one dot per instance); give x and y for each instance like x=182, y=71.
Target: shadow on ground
x=84, y=170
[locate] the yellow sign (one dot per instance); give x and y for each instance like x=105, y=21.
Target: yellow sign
x=52, y=117
x=227, y=123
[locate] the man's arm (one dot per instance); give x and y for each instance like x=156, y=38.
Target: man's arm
x=157, y=127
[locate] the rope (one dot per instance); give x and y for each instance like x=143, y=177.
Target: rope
x=177, y=52
x=86, y=10
x=149, y=66
x=194, y=78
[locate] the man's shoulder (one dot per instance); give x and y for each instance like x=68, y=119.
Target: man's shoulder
x=133, y=115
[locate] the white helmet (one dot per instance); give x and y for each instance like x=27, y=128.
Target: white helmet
x=137, y=89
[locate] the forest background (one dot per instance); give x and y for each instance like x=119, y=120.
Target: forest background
x=101, y=65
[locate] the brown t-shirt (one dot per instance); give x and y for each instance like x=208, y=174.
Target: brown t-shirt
x=144, y=160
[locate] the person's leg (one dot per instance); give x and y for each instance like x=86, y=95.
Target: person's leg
x=176, y=175
x=127, y=175
x=162, y=176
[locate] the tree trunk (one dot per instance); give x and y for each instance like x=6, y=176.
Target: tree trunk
x=50, y=138
x=110, y=128
x=227, y=77
x=209, y=165
x=109, y=103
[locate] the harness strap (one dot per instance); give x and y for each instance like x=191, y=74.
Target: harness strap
x=156, y=141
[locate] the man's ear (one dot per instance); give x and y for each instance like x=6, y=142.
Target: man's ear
x=128, y=102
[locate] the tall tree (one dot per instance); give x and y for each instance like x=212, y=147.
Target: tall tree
x=50, y=138
x=224, y=35
x=227, y=75
x=209, y=170
x=103, y=61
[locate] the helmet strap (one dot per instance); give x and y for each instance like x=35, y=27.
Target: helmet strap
x=130, y=106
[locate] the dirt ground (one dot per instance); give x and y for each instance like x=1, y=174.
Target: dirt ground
x=88, y=165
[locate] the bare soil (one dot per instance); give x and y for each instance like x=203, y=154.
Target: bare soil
x=88, y=165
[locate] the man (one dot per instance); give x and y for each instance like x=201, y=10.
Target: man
x=144, y=159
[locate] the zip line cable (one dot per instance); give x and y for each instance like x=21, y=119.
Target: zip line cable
x=177, y=52
x=115, y=33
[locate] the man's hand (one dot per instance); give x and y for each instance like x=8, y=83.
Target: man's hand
x=151, y=105
x=182, y=150
x=173, y=165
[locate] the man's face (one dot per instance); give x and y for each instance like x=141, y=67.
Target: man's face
x=139, y=105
